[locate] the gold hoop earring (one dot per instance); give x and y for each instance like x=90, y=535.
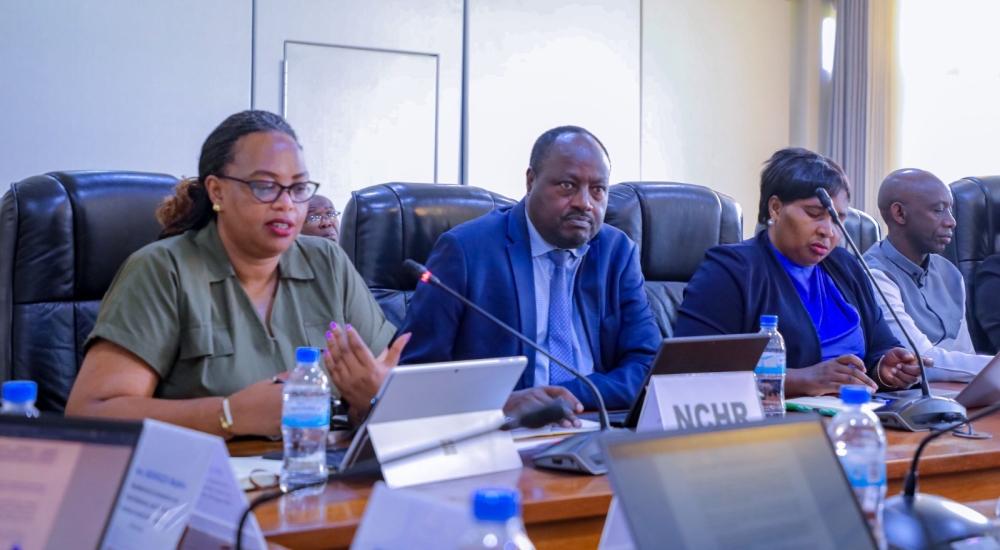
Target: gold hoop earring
x=217, y=208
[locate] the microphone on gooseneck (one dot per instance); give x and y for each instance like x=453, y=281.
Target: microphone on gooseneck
x=915, y=414
x=913, y=520
x=578, y=453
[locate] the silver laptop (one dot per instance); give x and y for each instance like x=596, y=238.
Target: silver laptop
x=437, y=389
x=770, y=485
x=982, y=391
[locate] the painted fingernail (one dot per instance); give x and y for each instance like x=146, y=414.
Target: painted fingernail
x=348, y=327
x=333, y=326
x=329, y=335
x=325, y=352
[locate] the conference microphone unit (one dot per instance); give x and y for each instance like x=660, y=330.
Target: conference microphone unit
x=577, y=453
x=914, y=414
x=532, y=419
x=914, y=521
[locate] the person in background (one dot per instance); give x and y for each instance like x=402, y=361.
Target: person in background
x=925, y=290
x=834, y=331
x=549, y=268
x=322, y=219
x=196, y=325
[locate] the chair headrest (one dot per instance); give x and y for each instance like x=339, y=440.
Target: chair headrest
x=387, y=224
x=673, y=224
x=977, y=205
x=69, y=232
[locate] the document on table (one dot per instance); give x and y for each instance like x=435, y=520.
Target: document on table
x=828, y=402
x=521, y=434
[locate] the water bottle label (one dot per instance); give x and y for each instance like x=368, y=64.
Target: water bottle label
x=771, y=363
x=862, y=472
x=306, y=412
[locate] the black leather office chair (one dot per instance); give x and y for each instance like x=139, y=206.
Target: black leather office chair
x=976, y=237
x=63, y=237
x=387, y=224
x=862, y=228
x=673, y=224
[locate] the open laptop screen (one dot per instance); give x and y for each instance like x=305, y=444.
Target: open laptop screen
x=775, y=485
x=59, y=479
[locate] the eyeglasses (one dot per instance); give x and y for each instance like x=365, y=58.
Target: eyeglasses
x=270, y=191
x=262, y=479
x=317, y=219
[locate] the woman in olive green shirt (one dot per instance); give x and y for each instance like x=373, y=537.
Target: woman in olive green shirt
x=217, y=307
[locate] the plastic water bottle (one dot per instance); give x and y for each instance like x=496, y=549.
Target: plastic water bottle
x=498, y=522
x=305, y=421
x=859, y=440
x=770, y=370
x=19, y=398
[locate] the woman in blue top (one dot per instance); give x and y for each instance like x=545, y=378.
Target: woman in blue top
x=833, y=328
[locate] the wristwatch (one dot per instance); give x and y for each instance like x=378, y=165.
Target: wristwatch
x=226, y=416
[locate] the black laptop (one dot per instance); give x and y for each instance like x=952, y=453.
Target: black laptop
x=63, y=477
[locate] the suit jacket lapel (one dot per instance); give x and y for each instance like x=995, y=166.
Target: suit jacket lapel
x=587, y=293
x=519, y=254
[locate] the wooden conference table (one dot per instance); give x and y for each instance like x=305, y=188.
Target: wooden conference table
x=567, y=511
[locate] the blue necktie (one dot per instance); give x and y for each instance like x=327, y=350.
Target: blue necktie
x=560, y=318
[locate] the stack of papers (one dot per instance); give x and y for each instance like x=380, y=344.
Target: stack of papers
x=521, y=434
x=527, y=439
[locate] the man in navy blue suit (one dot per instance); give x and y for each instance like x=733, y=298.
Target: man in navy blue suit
x=550, y=269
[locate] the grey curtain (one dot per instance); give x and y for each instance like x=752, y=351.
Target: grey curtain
x=847, y=130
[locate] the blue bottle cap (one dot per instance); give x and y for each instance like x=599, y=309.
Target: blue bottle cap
x=768, y=321
x=20, y=391
x=307, y=355
x=495, y=504
x=855, y=395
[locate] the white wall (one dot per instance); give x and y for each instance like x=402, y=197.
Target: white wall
x=537, y=64
x=950, y=61
x=715, y=93
x=427, y=27
x=117, y=84
x=685, y=90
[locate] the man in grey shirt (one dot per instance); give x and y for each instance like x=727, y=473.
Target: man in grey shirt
x=924, y=289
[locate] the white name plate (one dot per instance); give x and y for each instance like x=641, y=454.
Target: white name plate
x=680, y=402
x=403, y=519
x=178, y=479
x=684, y=401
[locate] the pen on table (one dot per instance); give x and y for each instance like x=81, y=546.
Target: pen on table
x=802, y=408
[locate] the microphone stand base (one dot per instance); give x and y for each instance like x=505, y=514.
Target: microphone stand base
x=932, y=522
x=970, y=433
x=579, y=453
x=920, y=413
